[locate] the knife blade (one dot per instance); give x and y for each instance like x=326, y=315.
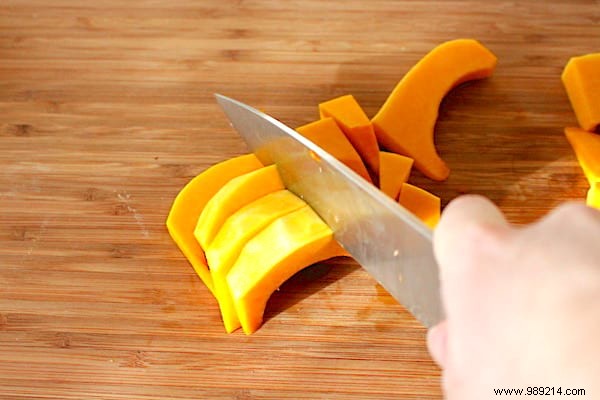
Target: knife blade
x=388, y=241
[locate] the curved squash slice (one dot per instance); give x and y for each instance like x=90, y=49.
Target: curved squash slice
x=394, y=170
x=233, y=235
x=356, y=126
x=234, y=195
x=586, y=146
x=593, y=196
x=190, y=202
x=581, y=78
x=405, y=123
x=426, y=206
x=286, y=246
x=326, y=134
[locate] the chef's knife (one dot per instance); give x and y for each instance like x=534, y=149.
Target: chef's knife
x=384, y=238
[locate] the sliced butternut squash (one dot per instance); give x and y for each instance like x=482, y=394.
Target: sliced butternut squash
x=424, y=205
x=231, y=197
x=593, y=195
x=394, y=170
x=586, y=146
x=581, y=78
x=355, y=124
x=286, y=246
x=326, y=134
x=233, y=235
x=405, y=123
x=190, y=202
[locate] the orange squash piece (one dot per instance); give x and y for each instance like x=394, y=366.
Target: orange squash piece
x=355, y=124
x=394, y=170
x=286, y=246
x=405, y=123
x=424, y=205
x=326, y=134
x=240, y=227
x=593, y=195
x=581, y=78
x=586, y=146
x=190, y=202
x=231, y=197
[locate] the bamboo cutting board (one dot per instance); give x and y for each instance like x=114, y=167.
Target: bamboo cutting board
x=106, y=111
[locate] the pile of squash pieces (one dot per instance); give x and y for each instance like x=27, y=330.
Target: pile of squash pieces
x=245, y=234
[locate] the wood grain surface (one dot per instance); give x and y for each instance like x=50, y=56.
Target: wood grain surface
x=106, y=111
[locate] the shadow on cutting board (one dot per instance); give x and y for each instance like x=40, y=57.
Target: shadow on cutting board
x=502, y=137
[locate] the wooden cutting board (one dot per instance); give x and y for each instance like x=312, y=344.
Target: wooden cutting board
x=106, y=111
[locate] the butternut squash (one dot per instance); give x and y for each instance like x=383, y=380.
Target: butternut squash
x=287, y=245
x=394, y=170
x=355, y=124
x=231, y=197
x=233, y=235
x=424, y=205
x=405, y=123
x=326, y=134
x=581, y=78
x=586, y=146
x=593, y=196
x=190, y=202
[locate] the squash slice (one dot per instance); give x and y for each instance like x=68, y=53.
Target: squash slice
x=593, y=195
x=394, y=170
x=581, y=78
x=355, y=124
x=586, y=146
x=286, y=246
x=326, y=134
x=405, y=123
x=190, y=202
x=424, y=205
x=233, y=235
x=234, y=195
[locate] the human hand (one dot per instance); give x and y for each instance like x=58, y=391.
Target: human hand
x=522, y=303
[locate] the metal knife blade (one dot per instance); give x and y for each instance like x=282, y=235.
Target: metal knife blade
x=384, y=238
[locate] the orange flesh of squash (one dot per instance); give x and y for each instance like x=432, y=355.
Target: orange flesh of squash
x=394, y=170
x=405, y=123
x=593, y=196
x=233, y=235
x=286, y=246
x=356, y=126
x=424, y=205
x=231, y=197
x=586, y=146
x=581, y=78
x=190, y=202
x=326, y=134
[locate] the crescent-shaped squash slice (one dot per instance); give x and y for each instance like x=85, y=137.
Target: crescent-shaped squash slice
x=284, y=247
x=424, y=205
x=231, y=197
x=405, y=123
x=355, y=124
x=593, y=196
x=190, y=202
x=581, y=78
x=326, y=134
x=394, y=170
x=233, y=235
x=586, y=146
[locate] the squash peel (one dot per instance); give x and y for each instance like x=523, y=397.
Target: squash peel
x=593, y=196
x=406, y=121
x=190, y=202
